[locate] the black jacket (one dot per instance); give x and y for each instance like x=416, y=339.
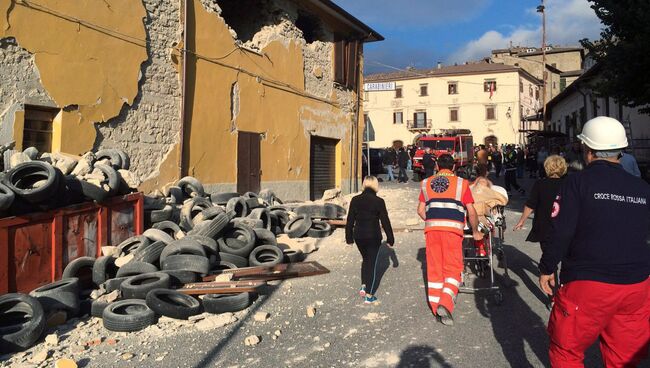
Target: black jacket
x=403, y=159
x=600, y=227
x=390, y=157
x=428, y=161
x=366, y=211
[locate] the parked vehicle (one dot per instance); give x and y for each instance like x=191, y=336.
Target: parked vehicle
x=458, y=143
x=376, y=162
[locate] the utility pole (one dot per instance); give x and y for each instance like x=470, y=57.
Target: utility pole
x=542, y=9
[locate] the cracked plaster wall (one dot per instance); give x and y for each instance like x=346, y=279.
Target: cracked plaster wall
x=149, y=130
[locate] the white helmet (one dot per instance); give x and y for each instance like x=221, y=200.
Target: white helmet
x=603, y=134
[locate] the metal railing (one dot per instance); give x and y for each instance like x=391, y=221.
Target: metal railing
x=424, y=124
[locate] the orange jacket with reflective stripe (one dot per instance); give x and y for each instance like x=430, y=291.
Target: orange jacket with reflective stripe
x=443, y=195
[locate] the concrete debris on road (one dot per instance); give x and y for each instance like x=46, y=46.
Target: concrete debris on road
x=311, y=312
x=261, y=316
x=252, y=340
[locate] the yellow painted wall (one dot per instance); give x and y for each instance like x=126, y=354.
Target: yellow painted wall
x=471, y=101
x=270, y=94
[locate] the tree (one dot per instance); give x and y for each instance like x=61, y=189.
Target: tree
x=623, y=50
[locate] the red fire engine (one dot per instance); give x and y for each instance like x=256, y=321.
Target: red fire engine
x=456, y=142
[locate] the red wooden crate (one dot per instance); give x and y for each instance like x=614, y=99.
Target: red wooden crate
x=35, y=248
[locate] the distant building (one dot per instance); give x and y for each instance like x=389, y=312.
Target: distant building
x=491, y=100
x=578, y=103
x=563, y=64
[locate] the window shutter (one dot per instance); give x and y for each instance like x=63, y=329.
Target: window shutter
x=339, y=62
x=394, y=118
x=352, y=60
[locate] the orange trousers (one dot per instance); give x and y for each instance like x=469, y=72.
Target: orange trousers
x=444, y=268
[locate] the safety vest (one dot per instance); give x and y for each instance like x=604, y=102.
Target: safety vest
x=443, y=198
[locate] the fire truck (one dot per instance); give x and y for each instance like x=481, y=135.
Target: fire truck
x=456, y=142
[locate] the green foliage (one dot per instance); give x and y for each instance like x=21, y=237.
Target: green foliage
x=624, y=50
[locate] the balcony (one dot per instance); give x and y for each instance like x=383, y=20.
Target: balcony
x=418, y=125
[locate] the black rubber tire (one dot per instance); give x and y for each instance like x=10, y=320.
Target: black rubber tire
x=59, y=295
x=265, y=236
x=126, y=160
x=265, y=255
x=262, y=214
x=238, y=205
x=209, y=214
x=112, y=155
x=81, y=268
x=253, y=203
x=293, y=255
x=231, y=258
x=170, y=228
x=31, y=152
x=190, y=185
x=222, y=198
x=176, y=195
x=20, y=178
x=112, y=177
x=6, y=197
x=328, y=211
x=153, y=203
x=158, y=235
x=179, y=277
x=164, y=214
x=252, y=223
x=320, y=229
x=238, y=240
x=20, y=334
x=249, y=195
x=150, y=254
x=92, y=191
x=137, y=287
x=104, y=269
x=190, y=209
x=209, y=244
x=215, y=227
x=131, y=244
x=267, y=196
x=97, y=308
x=114, y=284
x=134, y=268
x=187, y=245
x=187, y=262
x=222, y=265
x=224, y=303
x=128, y=316
x=172, y=304
x=298, y=227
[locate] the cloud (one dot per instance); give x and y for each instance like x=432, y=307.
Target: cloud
x=413, y=13
x=567, y=21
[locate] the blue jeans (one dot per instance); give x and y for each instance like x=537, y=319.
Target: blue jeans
x=408, y=165
x=389, y=171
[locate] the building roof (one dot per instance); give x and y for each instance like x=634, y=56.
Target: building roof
x=554, y=50
x=572, y=73
x=339, y=15
x=464, y=69
x=585, y=77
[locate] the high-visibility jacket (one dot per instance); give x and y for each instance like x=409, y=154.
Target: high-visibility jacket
x=443, y=195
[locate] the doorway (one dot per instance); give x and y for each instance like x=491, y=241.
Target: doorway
x=322, y=173
x=248, y=162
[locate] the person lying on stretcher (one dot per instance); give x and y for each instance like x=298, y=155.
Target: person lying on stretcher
x=486, y=199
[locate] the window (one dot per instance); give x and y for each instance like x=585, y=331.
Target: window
x=365, y=96
x=490, y=85
x=554, y=85
x=398, y=117
x=424, y=90
x=37, y=131
x=490, y=112
x=562, y=84
x=346, y=56
x=537, y=93
x=453, y=114
x=452, y=88
x=521, y=87
x=420, y=119
x=530, y=91
x=398, y=92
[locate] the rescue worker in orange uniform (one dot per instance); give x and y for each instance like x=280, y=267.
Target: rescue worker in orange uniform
x=445, y=201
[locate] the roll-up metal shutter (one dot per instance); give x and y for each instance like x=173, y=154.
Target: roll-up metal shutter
x=322, y=166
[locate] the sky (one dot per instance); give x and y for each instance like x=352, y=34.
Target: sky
x=420, y=33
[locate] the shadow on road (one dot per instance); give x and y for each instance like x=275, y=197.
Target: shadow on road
x=523, y=266
x=421, y=356
x=385, y=258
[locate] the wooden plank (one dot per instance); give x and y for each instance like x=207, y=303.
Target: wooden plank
x=340, y=223
x=277, y=272
x=231, y=287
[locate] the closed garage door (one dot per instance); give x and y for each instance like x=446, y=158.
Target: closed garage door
x=322, y=166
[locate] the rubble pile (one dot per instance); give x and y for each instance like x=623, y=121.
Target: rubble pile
x=35, y=181
x=192, y=237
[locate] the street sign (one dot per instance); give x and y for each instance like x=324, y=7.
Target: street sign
x=385, y=86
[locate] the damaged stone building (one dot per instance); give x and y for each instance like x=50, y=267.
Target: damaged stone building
x=242, y=94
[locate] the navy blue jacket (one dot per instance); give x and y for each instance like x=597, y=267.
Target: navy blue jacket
x=600, y=227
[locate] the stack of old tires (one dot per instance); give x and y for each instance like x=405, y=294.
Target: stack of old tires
x=42, y=181
x=191, y=235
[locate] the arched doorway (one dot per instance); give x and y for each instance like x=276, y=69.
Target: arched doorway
x=491, y=139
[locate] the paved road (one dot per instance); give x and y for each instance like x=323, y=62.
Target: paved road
x=398, y=332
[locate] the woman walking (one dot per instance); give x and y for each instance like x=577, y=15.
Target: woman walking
x=367, y=210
